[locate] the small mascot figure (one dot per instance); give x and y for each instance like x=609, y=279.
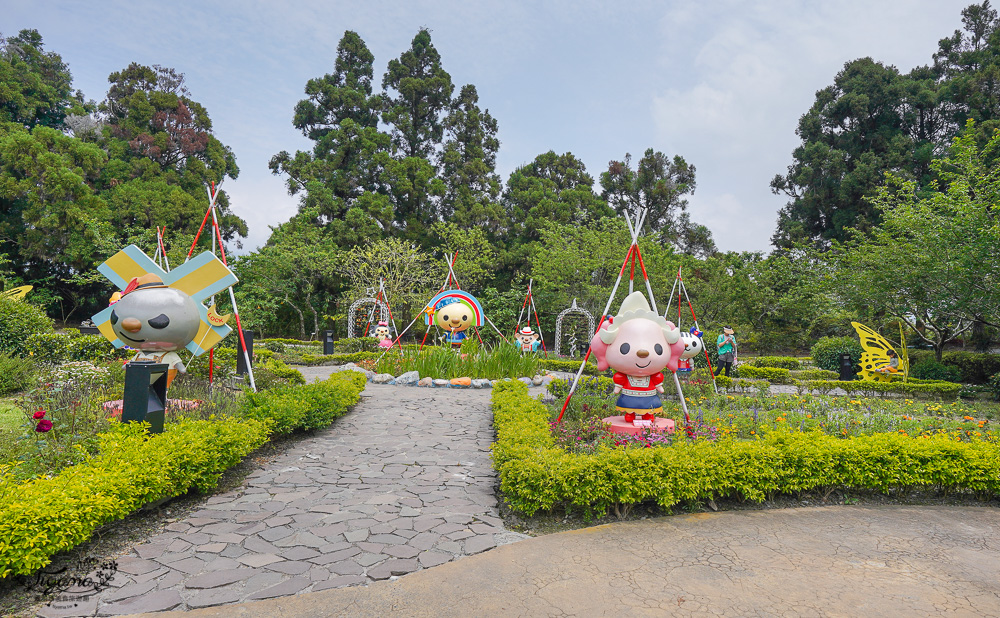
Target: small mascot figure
x=156, y=320
x=639, y=344
x=383, y=334
x=693, y=346
x=454, y=317
x=527, y=340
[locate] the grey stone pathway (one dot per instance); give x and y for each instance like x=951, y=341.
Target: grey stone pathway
x=401, y=483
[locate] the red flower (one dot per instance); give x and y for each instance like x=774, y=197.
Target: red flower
x=43, y=426
x=39, y=414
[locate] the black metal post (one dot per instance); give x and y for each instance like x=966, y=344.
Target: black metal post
x=241, y=363
x=145, y=396
x=328, y=342
x=846, y=367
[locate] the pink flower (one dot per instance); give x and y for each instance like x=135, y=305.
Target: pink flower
x=43, y=426
x=39, y=414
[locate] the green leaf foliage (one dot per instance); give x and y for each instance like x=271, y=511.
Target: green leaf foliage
x=19, y=321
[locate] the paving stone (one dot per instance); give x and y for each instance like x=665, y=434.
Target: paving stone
x=285, y=588
x=340, y=581
x=393, y=567
x=479, y=544
x=191, y=566
x=274, y=534
x=127, y=592
x=211, y=598
x=401, y=551
x=258, y=560
x=424, y=540
x=290, y=567
x=219, y=578
x=298, y=553
x=150, y=576
x=69, y=608
x=148, y=551
x=344, y=554
x=355, y=536
x=159, y=601
x=368, y=559
x=233, y=551
x=259, y=545
x=211, y=548
x=346, y=567
x=261, y=581
x=137, y=566
x=429, y=559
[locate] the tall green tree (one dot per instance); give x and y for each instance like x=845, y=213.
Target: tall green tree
x=934, y=260
x=35, y=85
x=968, y=63
x=658, y=184
x=468, y=166
x=343, y=179
x=851, y=136
x=553, y=188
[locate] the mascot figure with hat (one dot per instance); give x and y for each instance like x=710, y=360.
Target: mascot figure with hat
x=159, y=313
x=527, y=340
x=454, y=312
x=639, y=344
x=693, y=346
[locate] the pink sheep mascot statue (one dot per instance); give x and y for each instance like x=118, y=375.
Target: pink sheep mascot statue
x=639, y=344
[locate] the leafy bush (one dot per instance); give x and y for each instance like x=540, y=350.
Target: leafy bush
x=276, y=346
x=16, y=374
x=271, y=372
x=571, y=366
x=994, y=385
x=775, y=375
x=18, y=321
x=47, y=515
x=973, y=368
x=826, y=353
x=784, y=362
x=815, y=374
x=357, y=344
x=223, y=367
x=536, y=475
x=48, y=347
x=933, y=370
x=286, y=409
x=290, y=342
x=94, y=348
x=870, y=388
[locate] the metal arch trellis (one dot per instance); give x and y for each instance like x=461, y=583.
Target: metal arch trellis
x=563, y=314
x=383, y=310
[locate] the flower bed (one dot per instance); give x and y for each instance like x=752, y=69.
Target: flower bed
x=537, y=474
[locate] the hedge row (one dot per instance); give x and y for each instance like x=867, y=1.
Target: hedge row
x=47, y=515
x=775, y=375
x=61, y=347
x=535, y=475
x=973, y=367
x=870, y=388
x=783, y=362
x=571, y=366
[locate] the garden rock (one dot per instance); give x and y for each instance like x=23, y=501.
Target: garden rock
x=384, y=378
x=461, y=382
x=441, y=383
x=428, y=381
x=410, y=377
x=537, y=380
x=481, y=383
x=526, y=381
x=352, y=367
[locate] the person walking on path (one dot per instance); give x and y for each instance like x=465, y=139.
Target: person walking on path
x=726, y=344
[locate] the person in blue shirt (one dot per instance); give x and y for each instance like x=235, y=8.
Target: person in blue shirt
x=726, y=344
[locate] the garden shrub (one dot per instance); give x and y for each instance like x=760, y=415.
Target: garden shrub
x=973, y=367
x=870, y=388
x=271, y=372
x=289, y=342
x=47, y=515
x=570, y=366
x=275, y=346
x=16, y=374
x=287, y=409
x=536, y=475
x=775, y=375
x=588, y=385
x=815, y=374
x=357, y=344
x=933, y=370
x=783, y=362
x=94, y=348
x=48, y=347
x=18, y=321
x=224, y=365
x=994, y=385
x=826, y=352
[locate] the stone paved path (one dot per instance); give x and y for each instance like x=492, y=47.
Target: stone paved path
x=403, y=482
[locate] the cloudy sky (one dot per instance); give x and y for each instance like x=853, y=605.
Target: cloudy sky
x=721, y=83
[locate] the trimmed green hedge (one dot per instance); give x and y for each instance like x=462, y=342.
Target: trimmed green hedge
x=286, y=409
x=18, y=321
x=815, y=374
x=535, y=475
x=288, y=341
x=783, y=362
x=47, y=515
x=973, y=367
x=870, y=388
x=72, y=346
x=775, y=375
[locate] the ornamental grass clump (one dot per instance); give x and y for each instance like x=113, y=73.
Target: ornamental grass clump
x=473, y=361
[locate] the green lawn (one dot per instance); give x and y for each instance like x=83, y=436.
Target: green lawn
x=11, y=416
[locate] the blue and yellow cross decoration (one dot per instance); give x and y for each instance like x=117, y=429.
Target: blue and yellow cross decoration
x=200, y=278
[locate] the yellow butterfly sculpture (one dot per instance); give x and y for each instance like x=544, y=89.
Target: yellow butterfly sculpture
x=876, y=364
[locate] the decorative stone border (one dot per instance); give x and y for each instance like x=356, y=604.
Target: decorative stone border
x=412, y=378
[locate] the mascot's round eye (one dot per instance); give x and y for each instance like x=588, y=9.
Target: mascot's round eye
x=625, y=348
x=160, y=321
x=445, y=317
x=465, y=318
x=114, y=317
x=658, y=349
